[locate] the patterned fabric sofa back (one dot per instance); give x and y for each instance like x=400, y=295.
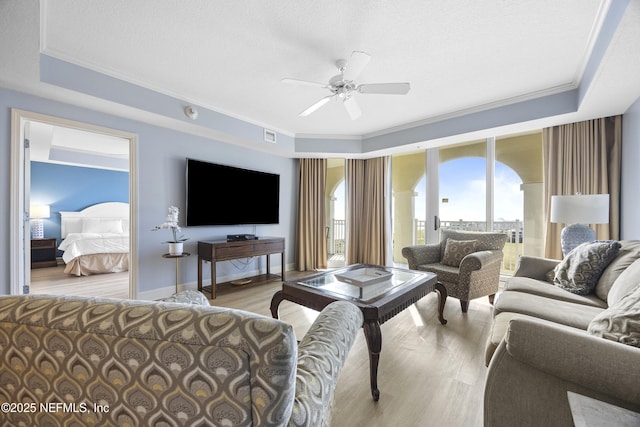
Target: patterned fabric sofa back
x=86, y=361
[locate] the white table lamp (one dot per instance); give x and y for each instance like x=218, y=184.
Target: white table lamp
x=36, y=214
x=577, y=211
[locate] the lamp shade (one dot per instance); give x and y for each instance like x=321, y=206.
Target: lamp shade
x=39, y=211
x=580, y=209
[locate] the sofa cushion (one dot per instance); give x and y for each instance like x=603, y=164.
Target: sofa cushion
x=628, y=281
x=498, y=331
x=455, y=250
x=620, y=322
x=580, y=270
x=563, y=312
x=446, y=273
x=628, y=254
x=548, y=290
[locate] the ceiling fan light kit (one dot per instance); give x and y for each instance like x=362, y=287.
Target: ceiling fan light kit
x=343, y=86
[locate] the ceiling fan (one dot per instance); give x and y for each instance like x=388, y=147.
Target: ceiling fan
x=343, y=86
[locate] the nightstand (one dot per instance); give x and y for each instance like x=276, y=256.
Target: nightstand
x=43, y=252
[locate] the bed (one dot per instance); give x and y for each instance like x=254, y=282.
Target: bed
x=96, y=239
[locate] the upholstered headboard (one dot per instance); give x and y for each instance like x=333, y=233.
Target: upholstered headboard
x=74, y=222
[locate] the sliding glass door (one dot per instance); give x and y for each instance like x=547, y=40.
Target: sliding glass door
x=463, y=186
x=408, y=205
x=518, y=189
x=335, y=213
x=487, y=185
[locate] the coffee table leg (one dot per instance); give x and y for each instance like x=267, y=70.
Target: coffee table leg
x=374, y=342
x=442, y=299
x=278, y=297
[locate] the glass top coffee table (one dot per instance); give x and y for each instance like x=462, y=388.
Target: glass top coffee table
x=380, y=292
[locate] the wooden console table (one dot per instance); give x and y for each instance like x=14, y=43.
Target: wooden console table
x=222, y=250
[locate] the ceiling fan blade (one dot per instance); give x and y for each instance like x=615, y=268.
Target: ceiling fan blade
x=303, y=83
x=356, y=64
x=352, y=108
x=385, y=88
x=315, y=106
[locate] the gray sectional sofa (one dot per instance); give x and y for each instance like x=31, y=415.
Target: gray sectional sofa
x=546, y=342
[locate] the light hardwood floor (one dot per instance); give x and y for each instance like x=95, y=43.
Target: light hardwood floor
x=429, y=374
x=55, y=281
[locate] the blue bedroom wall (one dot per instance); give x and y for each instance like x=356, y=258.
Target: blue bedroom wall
x=73, y=188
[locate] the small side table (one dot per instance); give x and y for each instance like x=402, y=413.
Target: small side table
x=177, y=258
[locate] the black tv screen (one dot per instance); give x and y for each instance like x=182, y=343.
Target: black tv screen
x=226, y=195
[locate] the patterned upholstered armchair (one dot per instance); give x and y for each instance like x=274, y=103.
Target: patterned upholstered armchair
x=121, y=362
x=467, y=263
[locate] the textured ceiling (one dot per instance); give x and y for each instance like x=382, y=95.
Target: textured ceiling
x=477, y=68
x=230, y=56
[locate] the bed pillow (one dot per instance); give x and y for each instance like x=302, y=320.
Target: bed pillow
x=98, y=225
x=620, y=322
x=455, y=250
x=580, y=270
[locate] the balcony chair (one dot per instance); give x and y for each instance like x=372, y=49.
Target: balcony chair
x=467, y=263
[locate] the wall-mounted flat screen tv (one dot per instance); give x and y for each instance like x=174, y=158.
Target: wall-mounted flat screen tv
x=226, y=195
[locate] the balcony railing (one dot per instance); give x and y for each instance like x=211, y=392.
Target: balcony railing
x=336, y=236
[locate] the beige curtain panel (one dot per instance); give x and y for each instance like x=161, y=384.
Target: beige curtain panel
x=366, y=225
x=311, y=242
x=582, y=157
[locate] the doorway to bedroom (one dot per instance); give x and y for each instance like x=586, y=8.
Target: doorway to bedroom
x=75, y=185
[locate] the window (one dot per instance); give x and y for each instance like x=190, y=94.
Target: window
x=408, y=203
x=335, y=206
x=494, y=184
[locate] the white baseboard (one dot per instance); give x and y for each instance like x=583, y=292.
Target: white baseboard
x=166, y=291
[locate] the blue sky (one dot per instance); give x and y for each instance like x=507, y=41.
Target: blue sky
x=462, y=181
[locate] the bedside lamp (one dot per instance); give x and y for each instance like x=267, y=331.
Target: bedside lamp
x=36, y=214
x=577, y=211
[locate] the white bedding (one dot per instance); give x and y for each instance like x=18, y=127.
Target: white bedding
x=77, y=244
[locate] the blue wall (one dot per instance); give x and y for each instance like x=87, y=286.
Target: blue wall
x=73, y=188
x=160, y=182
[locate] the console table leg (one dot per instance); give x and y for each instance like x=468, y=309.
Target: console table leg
x=278, y=297
x=268, y=266
x=373, y=336
x=200, y=273
x=282, y=262
x=213, y=279
x=442, y=299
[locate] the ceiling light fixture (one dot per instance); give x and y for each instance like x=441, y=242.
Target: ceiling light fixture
x=191, y=112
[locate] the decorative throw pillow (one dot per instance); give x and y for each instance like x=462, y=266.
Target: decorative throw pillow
x=455, y=250
x=620, y=322
x=580, y=270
